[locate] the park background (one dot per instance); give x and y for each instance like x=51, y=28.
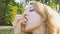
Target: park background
x=9, y=9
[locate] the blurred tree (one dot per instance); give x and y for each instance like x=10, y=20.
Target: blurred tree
x=37, y=0
x=20, y=8
x=8, y=10
x=10, y=14
x=53, y=4
x=3, y=9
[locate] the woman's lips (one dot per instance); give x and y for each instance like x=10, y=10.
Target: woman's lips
x=26, y=18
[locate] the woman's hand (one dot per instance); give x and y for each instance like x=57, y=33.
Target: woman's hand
x=17, y=24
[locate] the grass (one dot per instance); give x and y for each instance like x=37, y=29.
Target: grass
x=6, y=30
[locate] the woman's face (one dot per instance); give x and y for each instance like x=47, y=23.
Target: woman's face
x=33, y=18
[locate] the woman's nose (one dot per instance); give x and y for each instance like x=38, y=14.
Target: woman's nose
x=24, y=15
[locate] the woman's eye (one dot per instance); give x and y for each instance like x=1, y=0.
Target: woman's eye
x=31, y=10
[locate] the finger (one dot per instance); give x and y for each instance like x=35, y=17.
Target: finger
x=18, y=29
x=16, y=19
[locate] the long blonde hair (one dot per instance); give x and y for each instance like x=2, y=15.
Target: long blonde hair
x=42, y=10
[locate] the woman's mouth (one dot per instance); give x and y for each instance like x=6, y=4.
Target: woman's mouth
x=24, y=22
x=26, y=18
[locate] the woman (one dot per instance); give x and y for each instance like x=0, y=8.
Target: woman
x=41, y=19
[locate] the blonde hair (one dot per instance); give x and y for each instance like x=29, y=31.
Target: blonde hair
x=42, y=10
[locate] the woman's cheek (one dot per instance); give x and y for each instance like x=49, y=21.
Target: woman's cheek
x=32, y=23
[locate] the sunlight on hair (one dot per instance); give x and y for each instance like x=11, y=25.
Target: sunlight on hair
x=56, y=17
x=57, y=21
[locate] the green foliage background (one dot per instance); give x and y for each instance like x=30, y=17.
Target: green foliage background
x=8, y=10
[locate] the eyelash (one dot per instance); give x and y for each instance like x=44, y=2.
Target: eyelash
x=31, y=10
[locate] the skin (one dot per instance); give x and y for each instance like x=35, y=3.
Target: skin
x=17, y=24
